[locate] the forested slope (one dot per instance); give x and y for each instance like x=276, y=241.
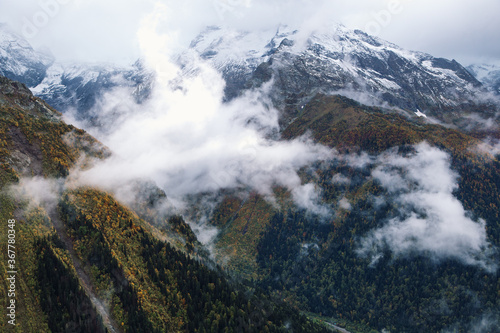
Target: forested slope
x=346, y=265
x=87, y=263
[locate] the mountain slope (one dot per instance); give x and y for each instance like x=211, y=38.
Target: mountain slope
x=335, y=59
x=33, y=145
x=87, y=263
x=68, y=86
x=353, y=264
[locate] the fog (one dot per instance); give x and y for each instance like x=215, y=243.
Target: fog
x=91, y=30
x=431, y=221
x=187, y=141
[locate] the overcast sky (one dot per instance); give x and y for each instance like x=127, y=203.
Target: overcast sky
x=96, y=30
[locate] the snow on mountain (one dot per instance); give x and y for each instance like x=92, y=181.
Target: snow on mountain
x=229, y=47
x=487, y=74
x=65, y=85
x=335, y=59
x=79, y=86
x=19, y=61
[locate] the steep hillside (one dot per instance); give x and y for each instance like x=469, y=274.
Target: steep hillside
x=371, y=262
x=48, y=294
x=84, y=262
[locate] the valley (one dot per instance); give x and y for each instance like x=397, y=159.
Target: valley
x=266, y=180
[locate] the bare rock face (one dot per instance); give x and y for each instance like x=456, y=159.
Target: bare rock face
x=19, y=161
x=25, y=157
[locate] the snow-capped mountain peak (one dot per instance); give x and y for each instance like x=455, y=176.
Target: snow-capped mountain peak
x=335, y=59
x=225, y=46
x=19, y=61
x=65, y=85
x=330, y=59
x=488, y=74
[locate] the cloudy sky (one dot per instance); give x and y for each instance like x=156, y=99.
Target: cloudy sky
x=95, y=30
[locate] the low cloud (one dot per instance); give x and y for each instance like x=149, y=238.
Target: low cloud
x=363, y=95
x=308, y=197
x=477, y=122
x=488, y=322
x=340, y=179
x=37, y=192
x=431, y=220
x=489, y=146
x=187, y=141
x=345, y=204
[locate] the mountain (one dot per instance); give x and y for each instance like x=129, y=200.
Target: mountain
x=335, y=60
x=488, y=75
x=67, y=86
x=397, y=229
x=81, y=86
x=385, y=256
x=331, y=60
x=19, y=61
x=80, y=261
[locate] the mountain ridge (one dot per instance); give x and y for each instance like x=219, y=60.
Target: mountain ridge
x=88, y=263
x=398, y=229
x=19, y=61
x=332, y=60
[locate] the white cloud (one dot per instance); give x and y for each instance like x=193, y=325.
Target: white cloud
x=339, y=178
x=489, y=146
x=38, y=191
x=358, y=160
x=188, y=141
x=83, y=29
x=308, y=197
x=475, y=121
x=432, y=221
x=489, y=321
